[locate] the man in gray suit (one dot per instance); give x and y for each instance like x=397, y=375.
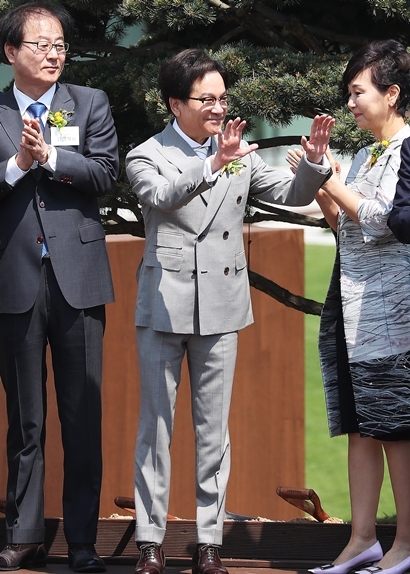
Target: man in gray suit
x=54, y=280
x=193, y=288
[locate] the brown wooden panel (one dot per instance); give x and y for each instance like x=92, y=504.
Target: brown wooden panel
x=267, y=415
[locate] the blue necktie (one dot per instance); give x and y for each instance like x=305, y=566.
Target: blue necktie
x=36, y=110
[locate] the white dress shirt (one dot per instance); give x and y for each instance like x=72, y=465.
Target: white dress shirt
x=13, y=172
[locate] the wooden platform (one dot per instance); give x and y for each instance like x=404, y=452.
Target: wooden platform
x=126, y=569
x=247, y=544
x=265, y=362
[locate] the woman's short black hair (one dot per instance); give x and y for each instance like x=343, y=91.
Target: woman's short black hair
x=177, y=75
x=389, y=63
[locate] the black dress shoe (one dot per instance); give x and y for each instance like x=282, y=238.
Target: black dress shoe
x=206, y=560
x=16, y=556
x=84, y=558
x=151, y=560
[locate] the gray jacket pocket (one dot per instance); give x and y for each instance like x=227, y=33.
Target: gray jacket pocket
x=91, y=232
x=170, y=261
x=240, y=261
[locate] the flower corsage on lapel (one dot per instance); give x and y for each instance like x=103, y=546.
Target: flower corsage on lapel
x=233, y=167
x=377, y=150
x=59, y=119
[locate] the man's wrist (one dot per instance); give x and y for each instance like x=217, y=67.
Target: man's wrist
x=316, y=160
x=18, y=164
x=46, y=156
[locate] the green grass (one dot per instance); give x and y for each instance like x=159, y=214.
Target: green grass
x=326, y=458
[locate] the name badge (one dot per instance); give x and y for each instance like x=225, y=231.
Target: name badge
x=69, y=135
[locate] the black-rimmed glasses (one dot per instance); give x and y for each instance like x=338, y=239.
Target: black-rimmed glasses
x=210, y=101
x=46, y=47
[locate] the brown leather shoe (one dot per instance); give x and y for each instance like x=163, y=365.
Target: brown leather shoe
x=16, y=556
x=151, y=560
x=206, y=560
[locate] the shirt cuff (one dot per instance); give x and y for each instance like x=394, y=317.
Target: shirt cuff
x=13, y=172
x=51, y=162
x=210, y=177
x=322, y=167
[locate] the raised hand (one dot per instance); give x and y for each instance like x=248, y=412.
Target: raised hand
x=294, y=156
x=229, y=144
x=334, y=164
x=318, y=142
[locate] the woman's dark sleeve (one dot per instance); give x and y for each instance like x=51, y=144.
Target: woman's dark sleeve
x=399, y=219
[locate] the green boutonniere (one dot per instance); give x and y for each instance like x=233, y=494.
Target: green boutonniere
x=233, y=167
x=377, y=150
x=59, y=119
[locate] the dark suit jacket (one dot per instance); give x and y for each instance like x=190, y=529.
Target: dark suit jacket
x=63, y=206
x=399, y=219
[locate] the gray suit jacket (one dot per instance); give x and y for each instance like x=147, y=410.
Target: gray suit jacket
x=193, y=276
x=63, y=206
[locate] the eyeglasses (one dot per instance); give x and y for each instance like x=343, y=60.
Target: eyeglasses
x=210, y=101
x=46, y=47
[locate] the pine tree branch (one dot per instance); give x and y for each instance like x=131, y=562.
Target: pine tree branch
x=108, y=52
x=296, y=302
x=277, y=141
x=304, y=32
x=293, y=25
x=226, y=38
x=221, y=5
x=250, y=21
x=339, y=38
x=284, y=215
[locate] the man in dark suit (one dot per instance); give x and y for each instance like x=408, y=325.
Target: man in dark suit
x=56, y=158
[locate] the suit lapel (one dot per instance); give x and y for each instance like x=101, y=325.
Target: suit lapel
x=217, y=195
x=61, y=101
x=176, y=150
x=10, y=118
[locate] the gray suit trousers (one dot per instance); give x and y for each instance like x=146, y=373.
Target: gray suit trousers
x=211, y=364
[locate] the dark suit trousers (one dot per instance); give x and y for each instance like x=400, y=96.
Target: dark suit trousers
x=75, y=338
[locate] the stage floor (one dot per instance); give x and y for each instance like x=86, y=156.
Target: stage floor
x=129, y=569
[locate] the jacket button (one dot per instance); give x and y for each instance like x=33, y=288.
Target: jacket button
x=225, y=235
x=40, y=239
x=42, y=204
x=194, y=272
x=226, y=271
x=239, y=199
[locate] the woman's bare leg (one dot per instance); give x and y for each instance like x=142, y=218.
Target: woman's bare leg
x=366, y=469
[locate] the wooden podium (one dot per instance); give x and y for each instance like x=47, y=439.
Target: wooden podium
x=267, y=413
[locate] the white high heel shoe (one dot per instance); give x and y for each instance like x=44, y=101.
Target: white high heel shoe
x=400, y=568
x=366, y=558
